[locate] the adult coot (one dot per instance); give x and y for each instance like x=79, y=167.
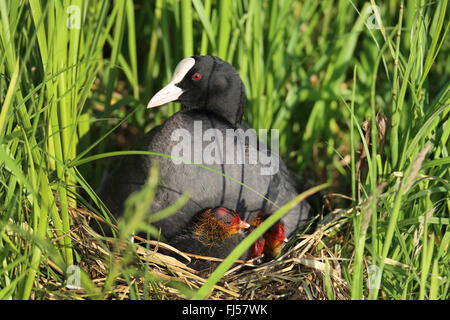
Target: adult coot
x=213, y=100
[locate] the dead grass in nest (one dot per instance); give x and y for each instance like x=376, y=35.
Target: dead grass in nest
x=299, y=273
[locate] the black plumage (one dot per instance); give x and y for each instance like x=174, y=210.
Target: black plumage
x=211, y=92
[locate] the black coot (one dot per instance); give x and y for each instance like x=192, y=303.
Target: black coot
x=213, y=100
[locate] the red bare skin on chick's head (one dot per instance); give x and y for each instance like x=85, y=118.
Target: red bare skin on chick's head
x=272, y=241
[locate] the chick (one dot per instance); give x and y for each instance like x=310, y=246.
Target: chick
x=274, y=240
x=213, y=232
x=271, y=242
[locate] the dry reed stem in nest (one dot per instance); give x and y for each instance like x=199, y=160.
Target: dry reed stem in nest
x=299, y=273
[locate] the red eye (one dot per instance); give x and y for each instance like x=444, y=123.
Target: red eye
x=196, y=76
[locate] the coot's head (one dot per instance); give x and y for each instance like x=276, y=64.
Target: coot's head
x=274, y=240
x=206, y=83
x=213, y=226
x=256, y=249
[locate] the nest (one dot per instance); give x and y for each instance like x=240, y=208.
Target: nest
x=305, y=270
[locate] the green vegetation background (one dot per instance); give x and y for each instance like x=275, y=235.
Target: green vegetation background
x=342, y=81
